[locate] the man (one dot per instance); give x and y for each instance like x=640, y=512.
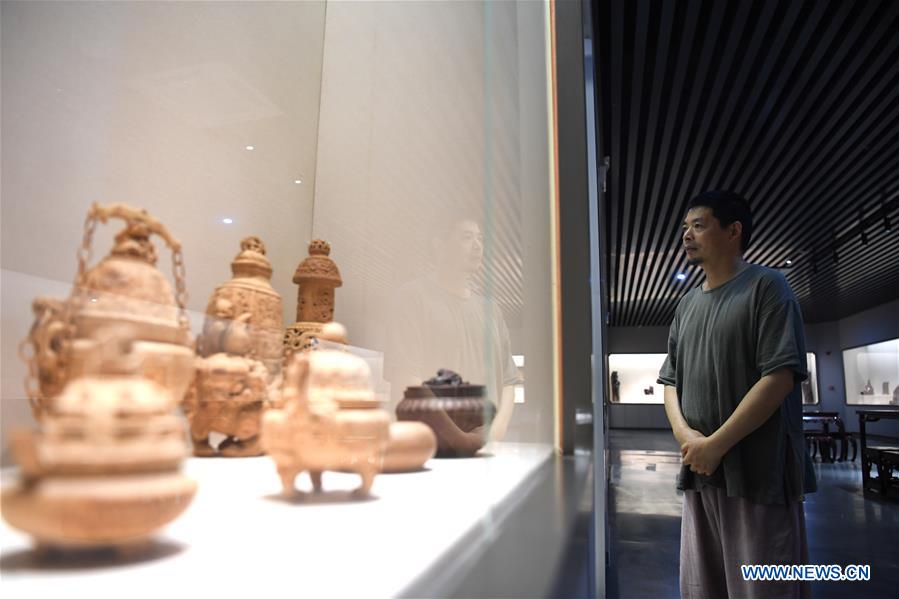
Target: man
x=736, y=358
x=441, y=321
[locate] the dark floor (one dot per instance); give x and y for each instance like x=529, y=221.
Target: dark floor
x=644, y=517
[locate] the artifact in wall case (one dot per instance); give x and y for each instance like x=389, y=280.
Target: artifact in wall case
x=104, y=470
x=248, y=292
x=317, y=277
x=126, y=289
x=649, y=390
x=895, y=399
x=616, y=387
x=886, y=387
x=868, y=390
x=455, y=410
x=411, y=444
x=330, y=419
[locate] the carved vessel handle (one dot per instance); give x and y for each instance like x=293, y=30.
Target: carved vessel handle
x=132, y=215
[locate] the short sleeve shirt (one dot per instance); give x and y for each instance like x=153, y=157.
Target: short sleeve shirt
x=722, y=341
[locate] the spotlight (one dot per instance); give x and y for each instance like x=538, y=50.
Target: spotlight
x=789, y=262
x=227, y=221
x=680, y=276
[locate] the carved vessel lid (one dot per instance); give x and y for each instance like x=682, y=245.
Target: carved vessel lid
x=252, y=261
x=446, y=384
x=129, y=270
x=318, y=266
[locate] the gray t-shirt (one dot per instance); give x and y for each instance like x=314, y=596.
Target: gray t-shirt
x=720, y=344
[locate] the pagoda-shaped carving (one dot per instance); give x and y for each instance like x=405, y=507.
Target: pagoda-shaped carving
x=317, y=277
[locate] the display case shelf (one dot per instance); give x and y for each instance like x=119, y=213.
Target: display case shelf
x=240, y=535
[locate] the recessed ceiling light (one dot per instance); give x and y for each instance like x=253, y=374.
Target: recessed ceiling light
x=298, y=181
x=251, y=148
x=789, y=263
x=681, y=276
x=227, y=221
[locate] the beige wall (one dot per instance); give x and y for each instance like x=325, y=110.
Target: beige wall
x=427, y=107
x=153, y=104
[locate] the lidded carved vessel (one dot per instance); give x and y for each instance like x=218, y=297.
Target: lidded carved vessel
x=105, y=467
x=248, y=292
x=317, y=277
x=457, y=411
x=329, y=418
x=124, y=289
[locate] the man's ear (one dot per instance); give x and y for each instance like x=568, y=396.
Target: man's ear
x=736, y=229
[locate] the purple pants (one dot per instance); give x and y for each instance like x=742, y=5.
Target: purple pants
x=721, y=533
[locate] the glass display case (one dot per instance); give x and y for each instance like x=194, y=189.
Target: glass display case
x=386, y=166
x=872, y=374
x=632, y=378
x=810, y=385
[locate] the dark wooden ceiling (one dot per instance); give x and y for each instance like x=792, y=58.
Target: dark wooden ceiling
x=793, y=104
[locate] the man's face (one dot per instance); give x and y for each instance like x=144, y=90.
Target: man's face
x=463, y=248
x=705, y=239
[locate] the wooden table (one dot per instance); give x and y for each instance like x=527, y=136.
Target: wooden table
x=826, y=419
x=870, y=416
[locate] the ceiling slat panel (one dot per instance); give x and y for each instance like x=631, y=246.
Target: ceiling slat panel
x=793, y=104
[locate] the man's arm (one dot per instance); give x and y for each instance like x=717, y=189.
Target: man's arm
x=503, y=414
x=703, y=454
x=680, y=428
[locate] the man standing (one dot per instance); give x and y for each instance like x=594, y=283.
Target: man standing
x=736, y=358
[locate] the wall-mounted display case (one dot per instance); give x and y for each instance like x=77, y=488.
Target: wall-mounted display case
x=632, y=378
x=871, y=373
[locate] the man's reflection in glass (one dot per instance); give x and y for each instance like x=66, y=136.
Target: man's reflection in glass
x=442, y=321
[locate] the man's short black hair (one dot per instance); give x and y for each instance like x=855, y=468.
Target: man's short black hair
x=728, y=207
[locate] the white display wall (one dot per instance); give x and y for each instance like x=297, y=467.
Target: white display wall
x=633, y=378
x=153, y=104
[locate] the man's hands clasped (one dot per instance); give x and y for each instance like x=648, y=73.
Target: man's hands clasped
x=702, y=454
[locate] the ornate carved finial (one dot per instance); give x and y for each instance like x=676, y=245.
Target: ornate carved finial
x=319, y=247
x=251, y=261
x=134, y=241
x=252, y=244
x=318, y=267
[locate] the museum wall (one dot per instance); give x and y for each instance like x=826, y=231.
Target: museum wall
x=153, y=104
x=432, y=112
